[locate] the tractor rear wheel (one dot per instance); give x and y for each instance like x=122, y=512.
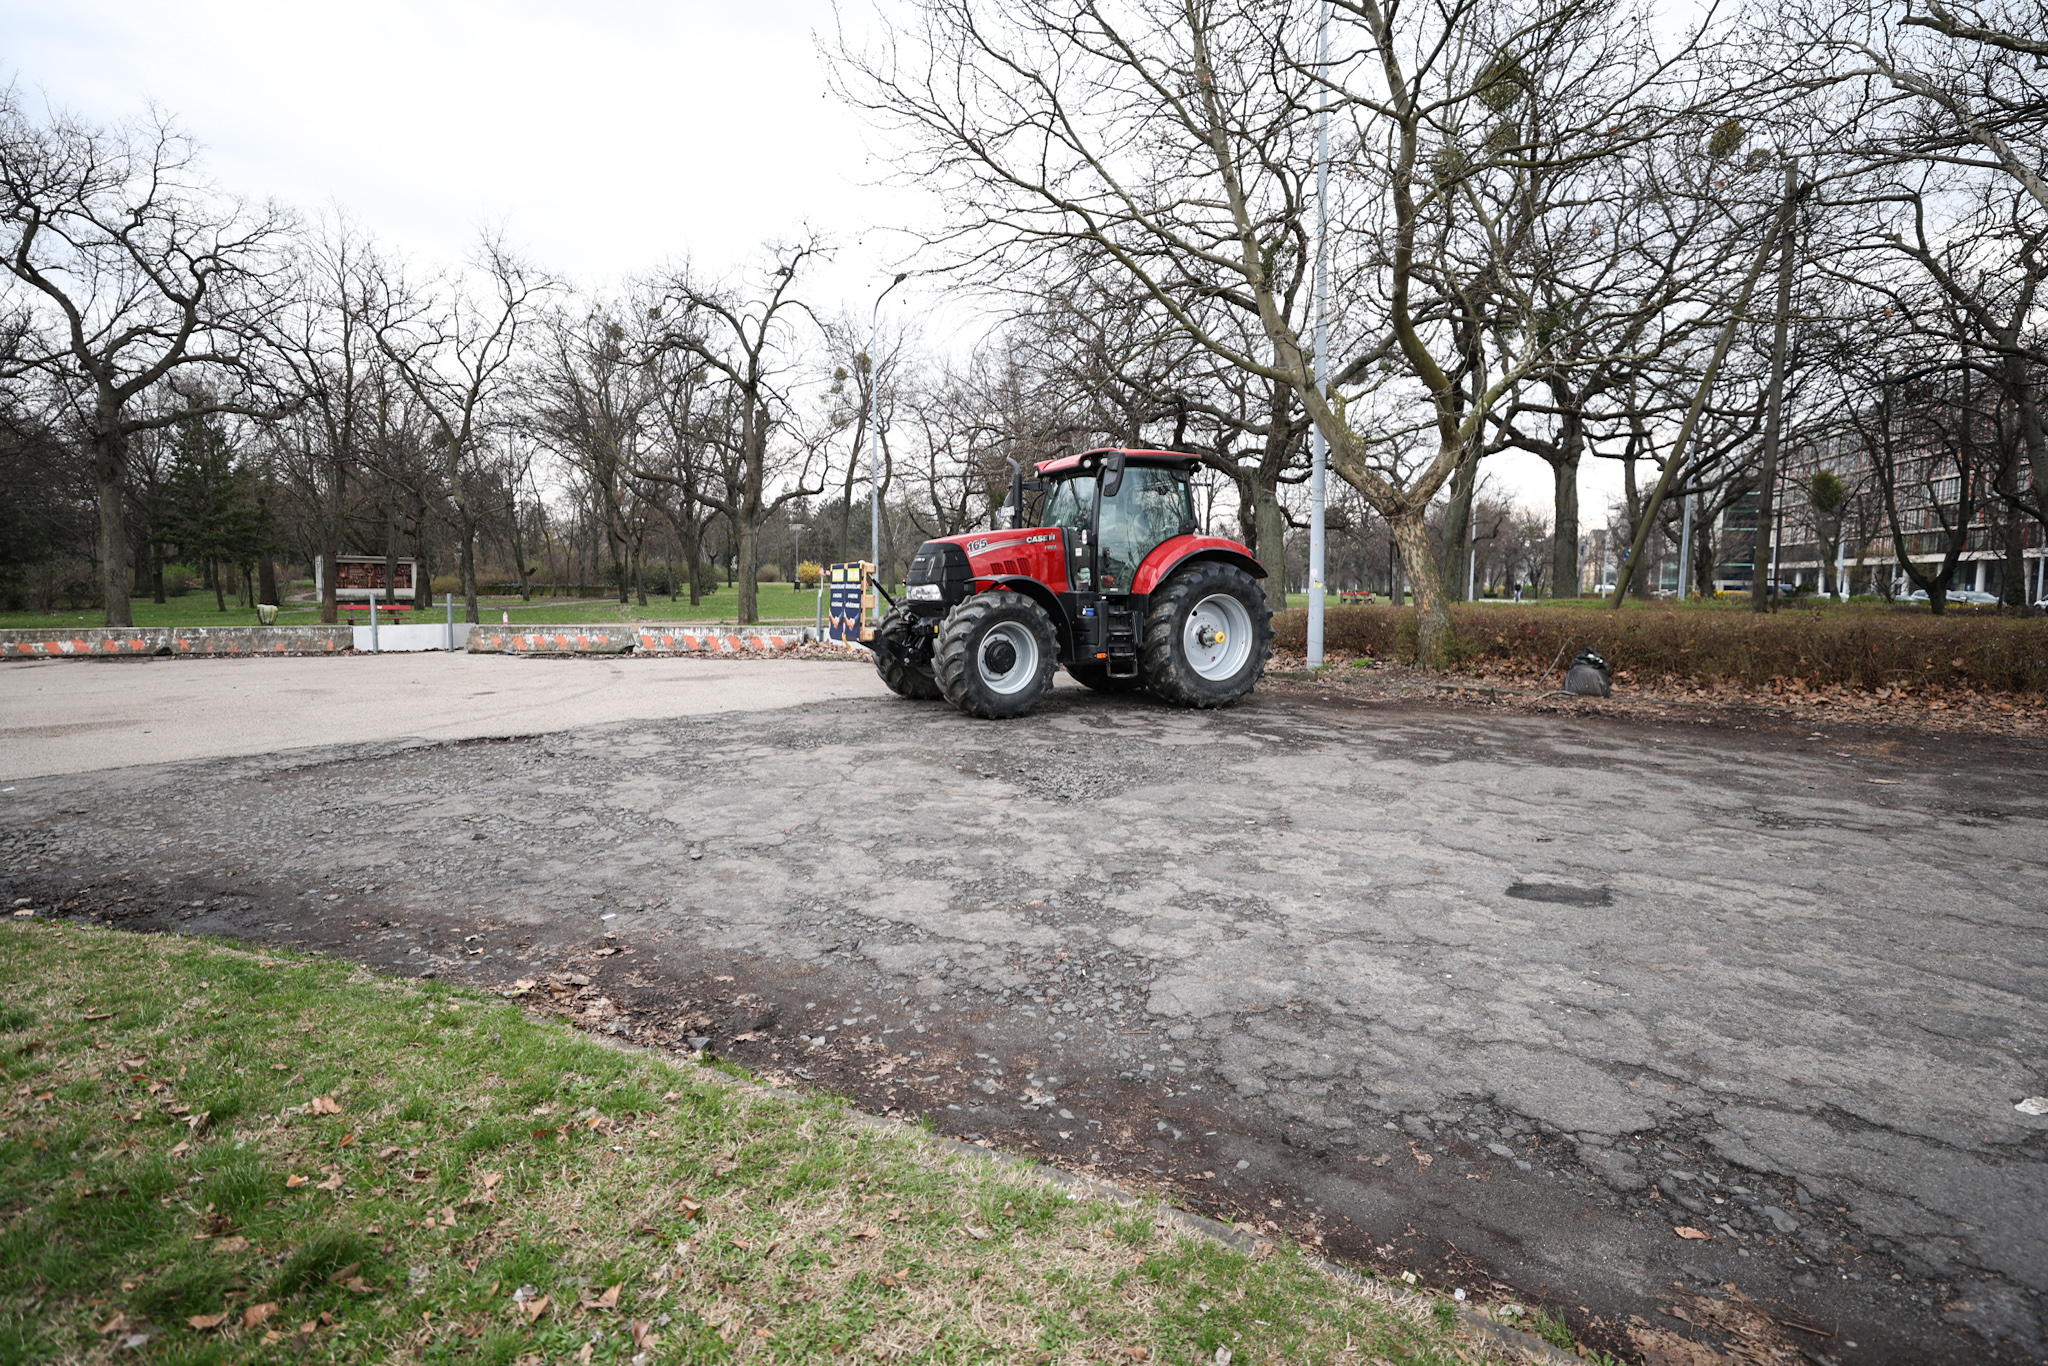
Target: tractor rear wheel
x=995, y=655
x=1096, y=678
x=1208, y=633
x=904, y=678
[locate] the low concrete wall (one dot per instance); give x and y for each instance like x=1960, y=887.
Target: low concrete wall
x=260, y=640
x=175, y=640
x=120, y=640
x=410, y=637
x=552, y=640
x=667, y=640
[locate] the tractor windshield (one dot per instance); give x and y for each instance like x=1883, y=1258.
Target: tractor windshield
x=1069, y=505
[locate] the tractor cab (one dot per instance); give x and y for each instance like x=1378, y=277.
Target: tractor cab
x=1112, y=512
x=1098, y=564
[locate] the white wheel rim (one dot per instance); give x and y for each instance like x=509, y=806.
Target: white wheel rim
x=1023, y=643
x=1217, y=637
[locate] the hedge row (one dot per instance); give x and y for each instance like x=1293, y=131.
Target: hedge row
x=1857, y=649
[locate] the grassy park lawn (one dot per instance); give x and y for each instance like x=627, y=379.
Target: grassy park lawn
x=209, y=1154
x=778, y=602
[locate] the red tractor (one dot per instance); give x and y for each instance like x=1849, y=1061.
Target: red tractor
x=1107, y=574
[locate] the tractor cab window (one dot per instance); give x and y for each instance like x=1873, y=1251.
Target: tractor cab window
x=1153, y=505
x=1070, y=506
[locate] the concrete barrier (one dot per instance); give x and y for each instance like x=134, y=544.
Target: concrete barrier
x=414, y=636
x=84, y=641
x=552, y=640
x=669, y=640
x=260, y=640
x=104, y=641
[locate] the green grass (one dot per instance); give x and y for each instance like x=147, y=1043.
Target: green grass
x=496, y=1188
x=778, y=602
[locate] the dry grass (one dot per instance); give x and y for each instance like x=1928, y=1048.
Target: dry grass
x=1867, y=649
x=211, y=1155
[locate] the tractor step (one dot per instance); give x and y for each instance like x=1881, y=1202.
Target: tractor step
x=1122, y=666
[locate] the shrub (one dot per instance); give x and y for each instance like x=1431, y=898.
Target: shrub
x=446, y=583
x=1859, y=649
x=177, y=580
x=809, y=573
x=769, y=573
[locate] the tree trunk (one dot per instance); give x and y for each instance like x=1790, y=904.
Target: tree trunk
x=1432, y=611
x=266, y=586
x=1564, y=532
x=693, y=554
x=331, y=553
x=469, y=602
x=110, y=464
x=1269, y=534
x=1458, y=527
x=749, y=606
x=220, y=593
x=156, y=574
x=1760, y=587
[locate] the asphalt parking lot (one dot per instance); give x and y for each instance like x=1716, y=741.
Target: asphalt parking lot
x=1503, y=1000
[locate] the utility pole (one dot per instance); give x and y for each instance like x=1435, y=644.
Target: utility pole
x=867, y=406
x=1319, y=449
x=1760, y=591
x=1685, y=553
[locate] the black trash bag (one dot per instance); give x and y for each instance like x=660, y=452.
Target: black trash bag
x=1589, y=675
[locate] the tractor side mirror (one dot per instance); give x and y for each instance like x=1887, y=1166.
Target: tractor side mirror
x=1112, y=474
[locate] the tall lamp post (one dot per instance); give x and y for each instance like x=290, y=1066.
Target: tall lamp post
x=1318, y=535
x=866, y=417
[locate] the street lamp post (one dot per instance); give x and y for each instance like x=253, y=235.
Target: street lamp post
x=1318, y=534
x=866, y=418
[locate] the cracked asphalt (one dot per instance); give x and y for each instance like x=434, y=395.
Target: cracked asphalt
x=1501, y=999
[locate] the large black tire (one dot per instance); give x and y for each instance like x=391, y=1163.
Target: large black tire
x=1096, y=677
x=995, y=655
x=904, y=679
x=1208, y=634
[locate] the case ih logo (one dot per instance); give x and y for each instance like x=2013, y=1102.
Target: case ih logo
x=976, y=547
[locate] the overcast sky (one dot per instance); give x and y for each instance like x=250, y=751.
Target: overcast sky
x=607, y=136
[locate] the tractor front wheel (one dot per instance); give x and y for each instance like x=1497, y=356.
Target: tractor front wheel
x=1208, y=634
x=892, y=659
x=995, y=655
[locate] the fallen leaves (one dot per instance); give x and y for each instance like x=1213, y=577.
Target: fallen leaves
x=332, y=1183
x=294, y=1181
x=230, y=1245
x=689, y=1208
x=257, y=1313
x=1685, y=1231
x=868, y=1232
x=533, y=1308
x=323, y=1105
x=202, y=1322
x=1422, y=1159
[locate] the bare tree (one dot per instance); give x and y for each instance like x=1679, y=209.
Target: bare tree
x=133, y=276
x=747, y=335
x=453, y=347
x=1174, y=139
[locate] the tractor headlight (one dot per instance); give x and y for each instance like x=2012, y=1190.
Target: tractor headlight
x=923, y=592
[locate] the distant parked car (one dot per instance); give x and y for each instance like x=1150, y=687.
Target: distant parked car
x=1973, y=597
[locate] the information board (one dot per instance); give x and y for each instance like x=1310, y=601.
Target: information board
x=851, y=599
